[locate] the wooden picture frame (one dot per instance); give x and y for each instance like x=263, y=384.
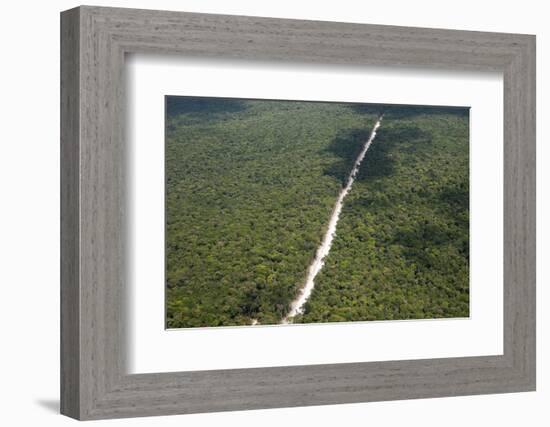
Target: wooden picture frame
x=94, y=382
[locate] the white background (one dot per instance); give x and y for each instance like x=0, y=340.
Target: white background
x=29, y=225
x=153, y=349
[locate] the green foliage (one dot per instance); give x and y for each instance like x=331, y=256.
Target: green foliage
x=249, y=188
x=402, y=245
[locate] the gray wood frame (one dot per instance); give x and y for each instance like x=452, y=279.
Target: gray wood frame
x=94, y=382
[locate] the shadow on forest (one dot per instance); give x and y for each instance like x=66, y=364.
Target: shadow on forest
x=203, y=108
x=346, y=146
x=379, y=161
x=408, y=111
x=429, y=235
x=456, y=197
x=424, y=235
x=456, y=200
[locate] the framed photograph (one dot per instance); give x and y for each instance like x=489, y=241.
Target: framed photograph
x=261, y=213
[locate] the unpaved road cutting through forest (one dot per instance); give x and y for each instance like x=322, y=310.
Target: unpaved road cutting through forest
x=297, y=306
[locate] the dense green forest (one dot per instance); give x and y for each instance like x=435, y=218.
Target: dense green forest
x=250, y=186
x=402, y=245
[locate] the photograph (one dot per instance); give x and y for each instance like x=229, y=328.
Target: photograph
x=292, y=213
x=296, y=212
